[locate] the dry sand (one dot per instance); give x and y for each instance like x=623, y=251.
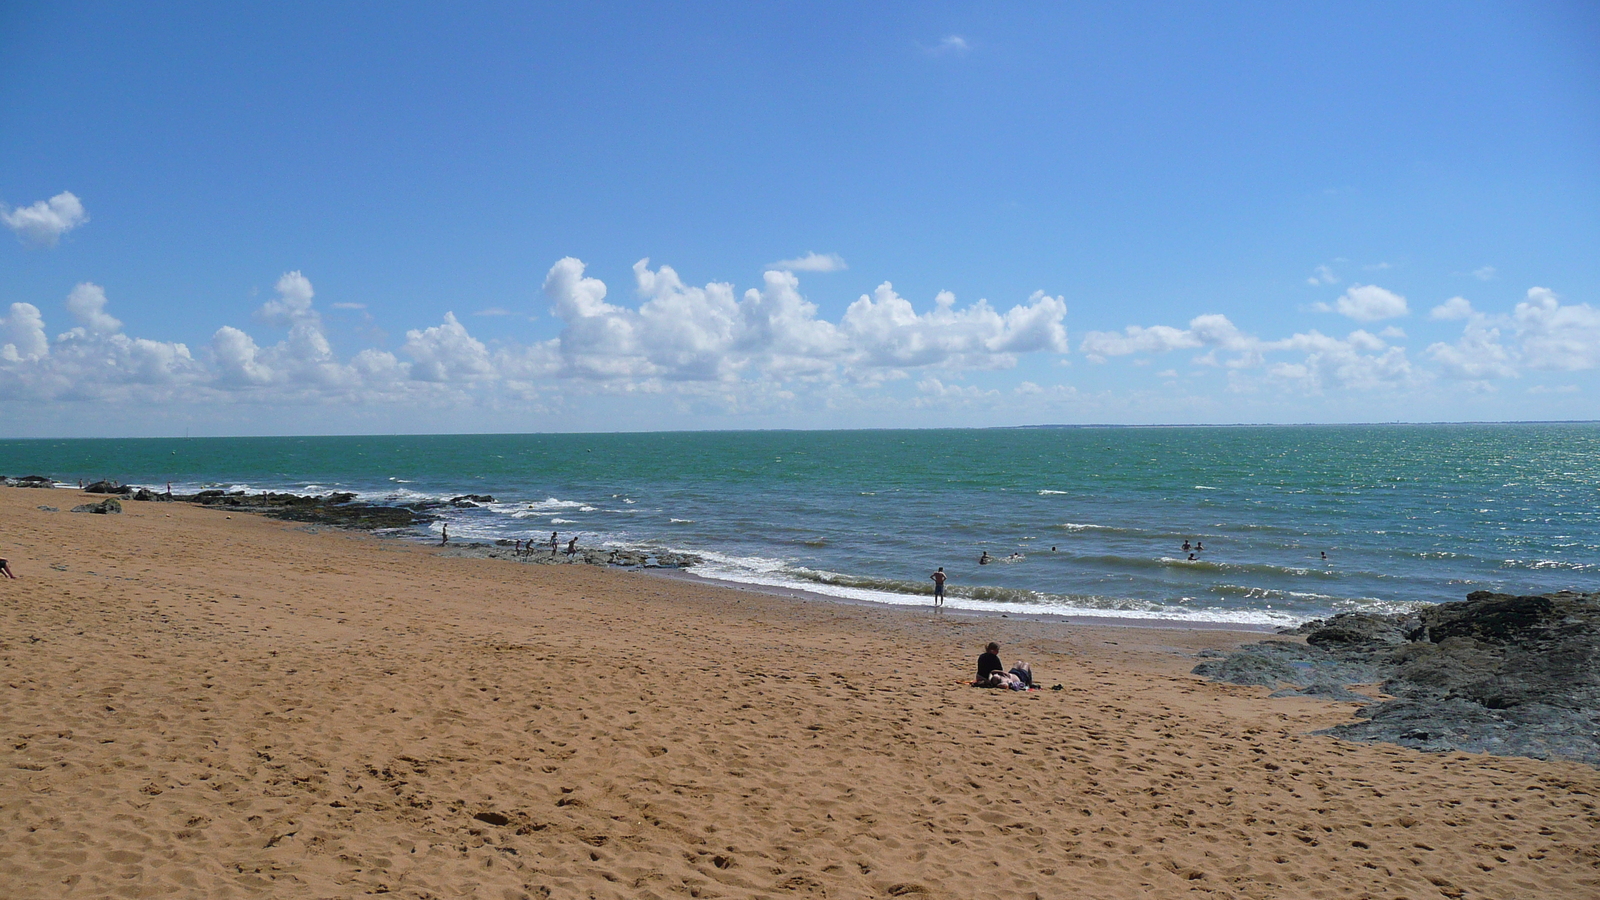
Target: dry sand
x=194, y=705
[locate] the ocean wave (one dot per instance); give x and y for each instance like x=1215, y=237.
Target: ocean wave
x=774, y=573
x=551, y=504
x=1046, y=493
x=1561, y=564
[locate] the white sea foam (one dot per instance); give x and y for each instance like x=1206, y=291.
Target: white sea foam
x=1049, y=493
x=551, y=504
x=767, y=572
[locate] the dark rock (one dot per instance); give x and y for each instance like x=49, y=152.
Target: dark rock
x=493, y=818
x=1357, y=630
x=29, y=481
x=144, y=494
x=470, y=500
x=1495, y=673
x=1267, y=664
x=334, y=509
x=49, y=509
x=104, y=507
x=108, y=487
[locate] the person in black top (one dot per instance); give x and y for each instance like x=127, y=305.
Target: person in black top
x=988, y=664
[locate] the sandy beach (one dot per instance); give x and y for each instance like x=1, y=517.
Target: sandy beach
x=199, y=704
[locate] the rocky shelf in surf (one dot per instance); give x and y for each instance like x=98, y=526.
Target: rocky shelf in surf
x=595, y=556
x=1496, y=673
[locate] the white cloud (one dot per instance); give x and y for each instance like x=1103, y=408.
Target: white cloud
x=885, y=330
x=238, y=358
x=87, y=303
x=1454, y=308
x=446, y=352
x=1322, y=275
x=686, y=333
x=950, y=44
x=1554, y=336
x=347, y=305
x=812, y=262
x=23, y=329
x=1211, y=330
x=293, y=303
x=1477, y=355
x=494, y=311
x=1366, y=303
x=1361, y=360
x=94, y=361
x=1485, y=273
x=43, y=223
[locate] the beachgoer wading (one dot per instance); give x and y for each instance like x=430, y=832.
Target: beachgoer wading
x=938, y=588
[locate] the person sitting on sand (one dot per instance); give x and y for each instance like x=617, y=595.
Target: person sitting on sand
x=988, y=664
x=5, y=568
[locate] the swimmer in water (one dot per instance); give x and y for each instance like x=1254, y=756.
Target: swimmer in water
x=984, y=559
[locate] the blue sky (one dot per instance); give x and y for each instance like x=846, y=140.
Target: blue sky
x=329, y=218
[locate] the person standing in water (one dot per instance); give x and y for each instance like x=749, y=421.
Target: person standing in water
x=938, y=588
x=553, y=543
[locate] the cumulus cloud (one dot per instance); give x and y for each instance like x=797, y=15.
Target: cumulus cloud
x=1359, y=360
x=812, y=262
x=1478, y=354
x=23, y=328
x=293, y=303
x=1322, y=275
x=92, y=361
x=1212, y=330
x=43, y=223
x=1366, y=303
x=712, y=344
x=1555, y=336
x=446, y=352
x=689, y=333
x=1454, y=308
x=87, y=304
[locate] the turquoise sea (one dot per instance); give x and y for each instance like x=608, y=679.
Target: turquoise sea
x=1406, y=514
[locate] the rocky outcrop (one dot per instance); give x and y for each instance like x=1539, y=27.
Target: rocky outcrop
x=28, y=481
x=108, y=487
x=1496, y=673
x=104, y=507
x=594, y=556
x=337, y=509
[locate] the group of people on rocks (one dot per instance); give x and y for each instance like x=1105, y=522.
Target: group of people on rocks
x=525, y=548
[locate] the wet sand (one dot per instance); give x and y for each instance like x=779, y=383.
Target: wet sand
x=195, y=705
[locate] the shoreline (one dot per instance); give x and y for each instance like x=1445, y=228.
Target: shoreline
x=202, y=705
x=1019, y=616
